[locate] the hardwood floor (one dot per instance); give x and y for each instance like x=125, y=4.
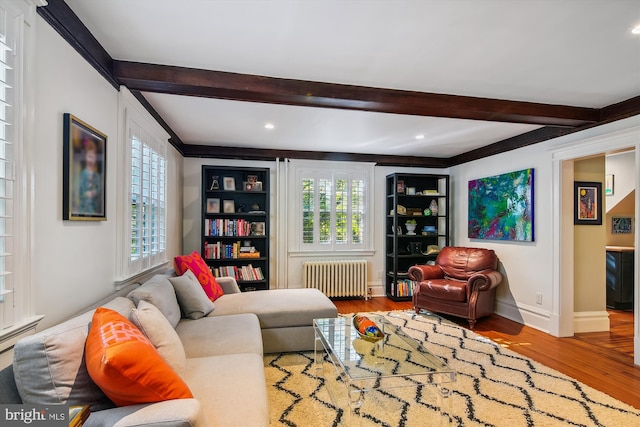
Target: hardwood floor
x=602, y=360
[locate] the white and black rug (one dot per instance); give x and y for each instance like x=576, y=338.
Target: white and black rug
x=494, y=387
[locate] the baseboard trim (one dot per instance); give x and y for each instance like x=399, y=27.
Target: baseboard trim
x=591, y=321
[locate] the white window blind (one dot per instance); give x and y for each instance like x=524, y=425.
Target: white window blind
x=334, y=212
x=148, y=203
x=7, y=179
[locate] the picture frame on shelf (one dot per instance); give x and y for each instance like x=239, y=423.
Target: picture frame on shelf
x=229, y=206
x=587, y=203
x=400, y=186
x=213, y=205
x=411, y=191
x=84, y=171
x=257, y=228
x=229, y=183
x=257, y=186
x=247, y=186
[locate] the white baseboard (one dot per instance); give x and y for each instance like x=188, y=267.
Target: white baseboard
x=533, y=317
x=591, y=321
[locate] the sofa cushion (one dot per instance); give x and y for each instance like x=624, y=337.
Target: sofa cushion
x=213, y=336
x=159, y=292
x=49, y=366
x=126, y=366
x=196, y=264
x=148, y=318
x=192, y=299
x=278, y=308
x=234, y=387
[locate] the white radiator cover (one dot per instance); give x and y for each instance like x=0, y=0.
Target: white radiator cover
x=337, y=278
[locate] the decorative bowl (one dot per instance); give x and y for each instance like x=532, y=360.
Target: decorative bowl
x=367, y=329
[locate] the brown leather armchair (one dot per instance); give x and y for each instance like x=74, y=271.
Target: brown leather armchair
x=461, y=283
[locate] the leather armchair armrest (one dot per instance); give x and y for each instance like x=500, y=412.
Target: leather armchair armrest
x=170, y=413
x=420, y=273
x=484, y=281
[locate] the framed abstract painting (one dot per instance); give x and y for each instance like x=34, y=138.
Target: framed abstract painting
x=501, y=207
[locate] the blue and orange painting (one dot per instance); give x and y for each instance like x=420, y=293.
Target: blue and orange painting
x=501, y=207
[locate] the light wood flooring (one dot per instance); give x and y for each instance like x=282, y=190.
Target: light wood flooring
x=602, y=360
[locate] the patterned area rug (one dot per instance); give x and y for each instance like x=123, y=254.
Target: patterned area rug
x=494, y=387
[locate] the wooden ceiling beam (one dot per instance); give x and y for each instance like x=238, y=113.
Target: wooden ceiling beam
x=251, y=88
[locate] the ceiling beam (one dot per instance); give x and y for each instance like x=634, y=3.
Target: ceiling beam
x=251, y=88
x=220, y=152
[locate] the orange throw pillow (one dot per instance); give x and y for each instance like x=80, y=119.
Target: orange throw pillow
x=126, y=366
x=199, y=267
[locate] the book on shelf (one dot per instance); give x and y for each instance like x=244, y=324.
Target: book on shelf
x=244, y=273
x=403, y=288
x=219, y=250
x=220, y=227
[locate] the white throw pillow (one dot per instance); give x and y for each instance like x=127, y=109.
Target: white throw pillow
x=150, y=320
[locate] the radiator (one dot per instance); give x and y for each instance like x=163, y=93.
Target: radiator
x=346, y=278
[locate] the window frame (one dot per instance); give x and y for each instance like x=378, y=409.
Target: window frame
x=334, y=171
x=135, y=123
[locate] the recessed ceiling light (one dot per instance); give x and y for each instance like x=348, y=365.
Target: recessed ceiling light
x=420, y=136
x=269, y=126
x=636, y=29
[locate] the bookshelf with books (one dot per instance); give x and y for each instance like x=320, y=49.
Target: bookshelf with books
x=417, y=227
x=235, y=224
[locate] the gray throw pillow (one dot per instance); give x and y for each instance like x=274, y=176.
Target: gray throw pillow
x=193, y=301
x=159, y=292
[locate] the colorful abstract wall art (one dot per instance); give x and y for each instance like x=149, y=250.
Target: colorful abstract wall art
x=501, y=207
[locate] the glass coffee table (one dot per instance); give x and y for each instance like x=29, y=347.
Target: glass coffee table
x=363, y=365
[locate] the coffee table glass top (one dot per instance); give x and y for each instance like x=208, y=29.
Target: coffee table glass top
x=396, y=354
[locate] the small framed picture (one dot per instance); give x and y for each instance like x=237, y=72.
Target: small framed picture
x=257, y=228
x=248, y=186
x=587, y=201
x=229, y=206
x=621, y=225
x=229, y=183
x=252, y=178
x=213, y=205
x=257, y=186
x=411, y=191
x=400, y=188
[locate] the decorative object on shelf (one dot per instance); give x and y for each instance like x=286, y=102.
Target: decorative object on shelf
x=213, y=205
x=501, y=207
x=400, y=187
x=214, y=183
x=248, y=186
x=411, y=191
x=411, y=227
x=229, y=206
x=399, y=231
x=229, y=183
x=432, y=250
x=255, y=207
x=84, y=167
x=428, y=229
x=587, y=203
x=427, y=212
x=621, y=225
x=252, y=178
x=401, y=210
x=367, y=329
x=433, y=207
x=414, y=248
x=608, y=185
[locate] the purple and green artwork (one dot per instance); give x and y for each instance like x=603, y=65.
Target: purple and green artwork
x=501, y=207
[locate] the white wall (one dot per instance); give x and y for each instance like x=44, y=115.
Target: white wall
x=74, y=262
x=622, y=167
x=535, y=267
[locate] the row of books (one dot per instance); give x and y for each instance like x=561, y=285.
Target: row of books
x=219, y=250
x=245, y=273
x=232, y=227
x=403, y=288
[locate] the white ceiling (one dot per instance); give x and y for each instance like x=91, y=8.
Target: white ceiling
x=569, y=52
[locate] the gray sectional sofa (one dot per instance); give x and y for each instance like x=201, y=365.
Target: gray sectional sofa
x=220, y=356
